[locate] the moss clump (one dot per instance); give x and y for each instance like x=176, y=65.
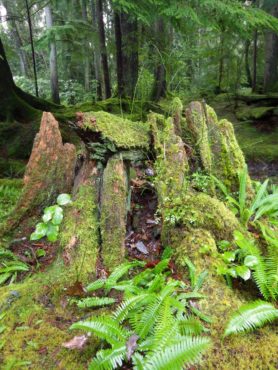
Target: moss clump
x=113, y=213
x=171, y=160
x=122, y=132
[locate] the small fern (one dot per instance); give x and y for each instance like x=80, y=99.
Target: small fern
x=251, y=316
x=156, y=311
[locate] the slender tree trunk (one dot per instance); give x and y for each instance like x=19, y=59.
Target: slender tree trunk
x=119, y=55
x=52, y=59
x=130, y=59
x=32, y=47
x=271, y=57
x=160, y=84
x=97, y=64
x=13, y=28
x=255, y=54
x=221, y=62
x=103, y=50
x=247, y=66
x=87, y=71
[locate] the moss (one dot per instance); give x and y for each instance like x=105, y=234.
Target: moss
x=81, y=222
x=248, y=351
x=122, y=132
x=253, y=113
x=113, y=213
x=12, y=167
x=171, y=160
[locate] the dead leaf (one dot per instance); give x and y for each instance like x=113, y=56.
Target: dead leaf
x=77, y=342
x=131, y=346
x=76, y=290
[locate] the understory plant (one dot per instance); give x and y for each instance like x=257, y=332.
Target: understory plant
x=8, y=197
x=247, y=261
x=251, y=316
x=152, y=326
x=51, y=219
x=10, y=266
x=263, y=204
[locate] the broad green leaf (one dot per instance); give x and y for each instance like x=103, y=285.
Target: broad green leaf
x=243, y=272
x=64, y=199
x=57, y=216
x=40, y=232
x=251, y=261
x=52, y=232
x=40, y=252
x=229, y=256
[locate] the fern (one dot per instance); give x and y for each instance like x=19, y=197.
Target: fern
x=95, y=302
x=154, y=309
x=250, y=316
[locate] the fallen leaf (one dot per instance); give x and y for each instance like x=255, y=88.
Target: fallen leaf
x=131, y=346
x=77, y=342
x=76, y=290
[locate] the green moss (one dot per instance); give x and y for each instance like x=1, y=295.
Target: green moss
x=81, y=222
x=113, y=213
x=248, y=351
x=122, y=132
x=253, y=113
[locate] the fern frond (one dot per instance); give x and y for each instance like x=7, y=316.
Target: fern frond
x=103, y=327
x=138, y=361
x=95, y=285
x=129, y=304
x=250, y=316
x=95, y=302
x=187, y=351
x=109, y=359
x=190, y=326
x=121, y=271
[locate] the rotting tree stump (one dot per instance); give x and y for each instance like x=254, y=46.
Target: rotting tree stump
x=98, y=173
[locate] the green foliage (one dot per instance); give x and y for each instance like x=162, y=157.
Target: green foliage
x=10, y=266
x=251, y=316
x=51, y=219
x=151, y=327
x=264, y=203
x=9, y=194
x=247, y=261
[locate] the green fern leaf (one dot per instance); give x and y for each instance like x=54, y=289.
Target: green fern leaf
x=187, y=351
x=95, y=302
x=109, y=358
x=250, y=316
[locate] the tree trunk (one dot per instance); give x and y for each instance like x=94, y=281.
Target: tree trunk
x=271, y=57
x=247, y=66
x=160, y=84
x=130, y=59
x=32, y=47
x=255, y=54
x=97, y=64
x=15, y=103
x=119, y=54
x=103, y=50
x=87, y=65
x=13, y=27
x=221, y=63
x=52, y=59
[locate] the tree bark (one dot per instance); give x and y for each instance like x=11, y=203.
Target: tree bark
x=247, y=66
x=271, y=57
x=32, y=47
x=119, y=54
x=87, y=65
x=160, y=84
x=130, y=59
x=103, y=50
x=97, y=64
x=52, y=58
x=255, y=54
x=13, y=27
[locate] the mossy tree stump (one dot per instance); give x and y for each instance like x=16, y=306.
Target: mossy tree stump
x=94, y=229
